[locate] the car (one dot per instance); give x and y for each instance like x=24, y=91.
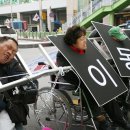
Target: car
x=8, y=31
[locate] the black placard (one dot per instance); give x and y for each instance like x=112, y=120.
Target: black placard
x=127, y=32
x=119, y=50
x=98, y=76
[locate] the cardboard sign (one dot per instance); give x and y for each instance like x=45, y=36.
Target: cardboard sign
x=98, y=76
x=119, y=50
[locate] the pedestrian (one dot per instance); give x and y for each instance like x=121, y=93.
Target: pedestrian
x=75, y=38
x=10, y=66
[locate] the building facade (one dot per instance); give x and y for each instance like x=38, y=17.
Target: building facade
x=115, y=18
x=53, y=13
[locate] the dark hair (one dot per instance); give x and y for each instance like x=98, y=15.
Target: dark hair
x=73, y=33
x=6, y=38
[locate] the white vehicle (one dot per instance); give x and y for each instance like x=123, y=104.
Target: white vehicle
x=7, y=31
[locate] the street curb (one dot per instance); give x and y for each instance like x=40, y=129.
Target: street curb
x=41, y=40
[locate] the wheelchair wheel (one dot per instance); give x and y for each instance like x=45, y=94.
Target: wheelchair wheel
x=77, y=115
x=76, y=109
x=53, y=110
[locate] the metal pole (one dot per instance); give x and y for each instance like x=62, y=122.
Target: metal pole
x=38, y=75
x=11, y=20
x=40, y=13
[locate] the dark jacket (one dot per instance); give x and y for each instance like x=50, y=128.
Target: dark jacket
x=12, y=69
x=69, y=76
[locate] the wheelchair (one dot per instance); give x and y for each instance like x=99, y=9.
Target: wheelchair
x=55, y=107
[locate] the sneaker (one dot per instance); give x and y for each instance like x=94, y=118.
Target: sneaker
x=105, y=125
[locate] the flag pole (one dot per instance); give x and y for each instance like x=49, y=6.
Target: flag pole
x=40, y=14
x=11, y=20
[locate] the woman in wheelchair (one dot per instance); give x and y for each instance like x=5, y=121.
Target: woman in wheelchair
x=75, y=38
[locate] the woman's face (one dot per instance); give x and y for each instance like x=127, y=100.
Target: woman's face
x=8, y=50
x=81, y=43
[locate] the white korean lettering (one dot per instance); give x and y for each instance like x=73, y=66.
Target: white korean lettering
x=126, y=53
x=103, y=83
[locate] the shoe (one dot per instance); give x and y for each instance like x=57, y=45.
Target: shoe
x=105, y=125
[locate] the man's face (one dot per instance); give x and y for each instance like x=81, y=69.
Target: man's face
x=8, y=50
x=81, y=43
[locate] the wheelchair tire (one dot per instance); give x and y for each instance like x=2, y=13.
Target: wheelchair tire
x=53, y=110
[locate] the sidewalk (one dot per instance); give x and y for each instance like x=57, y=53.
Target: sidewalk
x=32, y=123
x=31, y=39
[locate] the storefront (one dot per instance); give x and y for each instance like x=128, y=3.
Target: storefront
x=122, y=17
